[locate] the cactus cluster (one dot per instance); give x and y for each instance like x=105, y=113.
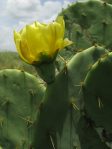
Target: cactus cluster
x=71, y=107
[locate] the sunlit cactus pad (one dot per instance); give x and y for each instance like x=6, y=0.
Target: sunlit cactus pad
x=87, y=23
x=20, y=96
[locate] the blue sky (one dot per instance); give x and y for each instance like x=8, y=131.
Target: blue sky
x=15, y=14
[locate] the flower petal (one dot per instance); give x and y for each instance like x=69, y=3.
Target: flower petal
x=35, y=40
x=59, y=44
x=16, y=36
x=67, y=42
x=17, y=39
x=60, y=20
x=25, y=52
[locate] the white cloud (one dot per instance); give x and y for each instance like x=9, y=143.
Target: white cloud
x=30, y=10
x=66, y=3
x=6, y=40
x=22, y=8
x=22, y=4
x=49, y=10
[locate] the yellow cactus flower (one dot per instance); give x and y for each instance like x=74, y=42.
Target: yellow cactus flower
x=40, y=42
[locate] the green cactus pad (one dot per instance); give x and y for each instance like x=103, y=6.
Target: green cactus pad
x=20, y=96
x=98, y=92
x=87, y=23
x=89, y=139
x=79, y=66
x=52, y=113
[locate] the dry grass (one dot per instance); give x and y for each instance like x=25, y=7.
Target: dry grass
x=12, y=60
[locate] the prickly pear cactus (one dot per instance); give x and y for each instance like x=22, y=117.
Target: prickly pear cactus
x=59, y=112
x=62, y=117
x=98, y=93
x=20, y=96
x=87, y=23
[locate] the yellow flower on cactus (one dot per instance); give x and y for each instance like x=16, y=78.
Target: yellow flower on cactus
x=40, y=42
